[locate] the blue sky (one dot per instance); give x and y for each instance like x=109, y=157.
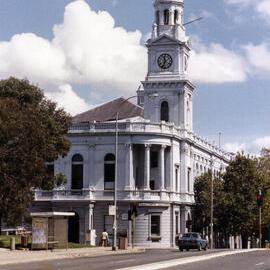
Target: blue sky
x=62, y=50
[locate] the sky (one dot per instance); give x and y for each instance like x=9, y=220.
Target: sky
x=87, y=52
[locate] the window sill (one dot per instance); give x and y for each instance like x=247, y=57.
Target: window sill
x=154, y=238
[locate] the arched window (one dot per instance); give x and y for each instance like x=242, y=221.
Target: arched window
x=176, y=15
x=164, y=111
x=166, y=16
x=77, y=172
x=157, y=17
x=109, y=171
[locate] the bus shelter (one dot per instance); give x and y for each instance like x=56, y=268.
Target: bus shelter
x=50, y=229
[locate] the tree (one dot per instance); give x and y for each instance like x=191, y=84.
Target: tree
x=241, y=185
x=202, y=208
x=32, y=132
x=264, y=172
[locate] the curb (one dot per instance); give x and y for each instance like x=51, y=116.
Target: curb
x=50, y=256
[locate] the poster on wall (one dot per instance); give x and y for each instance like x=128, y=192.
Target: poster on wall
x=39, y=233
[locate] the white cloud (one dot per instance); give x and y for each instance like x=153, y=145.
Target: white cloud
x=68, y=99
x=87, y=48
x=262, y=7
x=215, y=64
x=259, y=57
x=253, y=147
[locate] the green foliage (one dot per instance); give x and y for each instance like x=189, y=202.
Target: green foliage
x=32, y=132
x=235, y=194
x=241, y=185
x=264, y=172
x=202, y=192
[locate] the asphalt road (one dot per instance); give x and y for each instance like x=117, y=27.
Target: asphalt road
x=249, y=261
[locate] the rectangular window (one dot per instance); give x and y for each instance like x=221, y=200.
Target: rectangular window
x=188, y=178
x=77, y=176
x=155, y=225
x=176, y=179
x=152, y=184
x=176, y=223
x=137, y=183
x=109, y=176
x=154, y=159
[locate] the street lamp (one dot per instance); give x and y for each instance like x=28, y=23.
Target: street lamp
x=212, y=206
x=114, y=247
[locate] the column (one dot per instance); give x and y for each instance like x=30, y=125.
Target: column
x=129, y=179
x=171, y=17
x=90, y=233
x=183, y=219
x=162, y=167
x=147, y=167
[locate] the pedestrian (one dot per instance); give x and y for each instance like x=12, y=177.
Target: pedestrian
x=104, y=238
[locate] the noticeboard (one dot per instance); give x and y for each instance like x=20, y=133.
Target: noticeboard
x=39, y=233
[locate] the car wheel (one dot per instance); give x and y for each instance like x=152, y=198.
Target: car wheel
x=181, y=249
x=187, y=249
x=200, y=248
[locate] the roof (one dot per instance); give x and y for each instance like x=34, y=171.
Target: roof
x=108, y=111
x=52, y=214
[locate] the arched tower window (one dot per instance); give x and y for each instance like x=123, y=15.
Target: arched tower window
x=164, y=111
x=176, y=16
x=77, y=172
x=166, y=16
x=109, y=171
x=157, y=17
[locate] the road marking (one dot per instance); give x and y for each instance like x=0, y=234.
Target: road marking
x=124, y=261
x=176, y=262
x=258, y=264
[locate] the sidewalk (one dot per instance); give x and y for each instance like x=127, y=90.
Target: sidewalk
x=20, y=256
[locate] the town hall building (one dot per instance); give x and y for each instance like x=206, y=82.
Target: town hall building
x=158, y=156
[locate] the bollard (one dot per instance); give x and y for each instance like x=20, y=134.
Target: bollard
x=12, y=243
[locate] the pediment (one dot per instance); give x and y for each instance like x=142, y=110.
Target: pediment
x=164, y=39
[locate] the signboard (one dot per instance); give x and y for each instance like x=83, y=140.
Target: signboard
x=112, y=210
x=39, y=233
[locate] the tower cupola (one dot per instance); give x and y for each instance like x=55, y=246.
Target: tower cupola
x=169, y=19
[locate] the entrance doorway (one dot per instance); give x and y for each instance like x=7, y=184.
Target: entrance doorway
x=74, y=229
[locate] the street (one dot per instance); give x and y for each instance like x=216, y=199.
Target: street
x=248, y=261
x=254, y=260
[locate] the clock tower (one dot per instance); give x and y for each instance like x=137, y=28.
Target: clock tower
x=167, y=76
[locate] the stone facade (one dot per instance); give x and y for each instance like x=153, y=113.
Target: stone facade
x=159, y=156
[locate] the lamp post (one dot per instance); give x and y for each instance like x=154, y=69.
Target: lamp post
x=114, y=247
x=212, y=207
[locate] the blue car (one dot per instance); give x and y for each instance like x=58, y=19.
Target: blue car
x=192, y=240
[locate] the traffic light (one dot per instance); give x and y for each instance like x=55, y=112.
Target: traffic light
x=260, y=199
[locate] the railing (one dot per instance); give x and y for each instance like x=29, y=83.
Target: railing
x=147, y=127
x=122, y=195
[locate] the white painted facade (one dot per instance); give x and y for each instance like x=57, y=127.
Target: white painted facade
x=162, y=190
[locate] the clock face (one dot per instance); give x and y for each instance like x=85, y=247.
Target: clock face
x=164, y=61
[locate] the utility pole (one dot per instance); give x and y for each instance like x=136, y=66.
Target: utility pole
x=260, y=203
x=114, y=247
x=212, y=207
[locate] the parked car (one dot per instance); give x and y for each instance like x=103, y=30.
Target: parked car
x=192, y=240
